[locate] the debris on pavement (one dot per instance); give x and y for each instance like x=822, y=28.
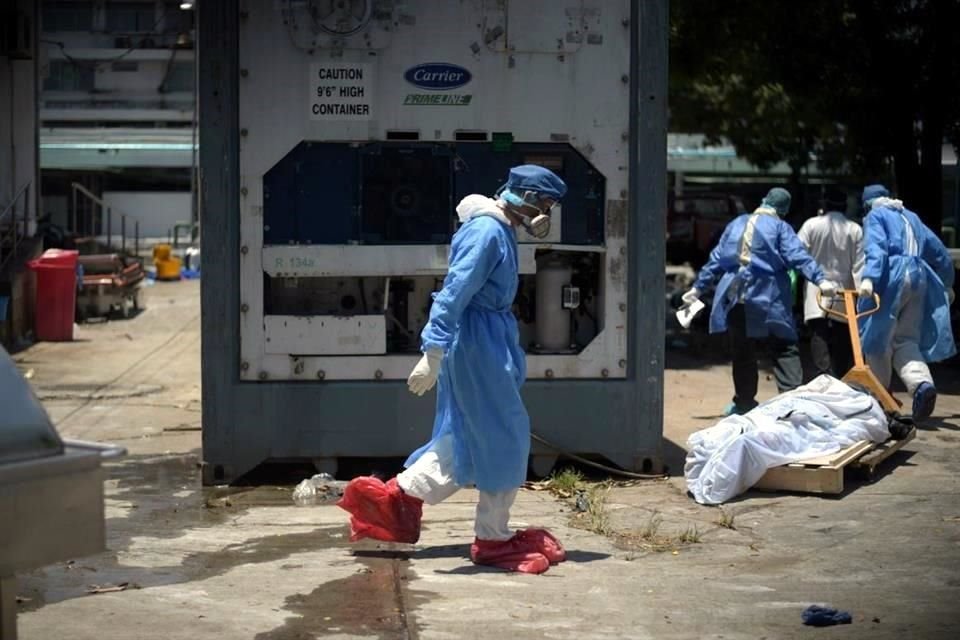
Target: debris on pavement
x=72, y=564
x=111, y=588
x=581, y=503
x=817, y=616
x=184, y=427
x=322, y=486
x=217, y=503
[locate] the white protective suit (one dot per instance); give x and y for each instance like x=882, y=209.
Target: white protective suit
x=816, y=419
x=430, y=479
x=836, y=243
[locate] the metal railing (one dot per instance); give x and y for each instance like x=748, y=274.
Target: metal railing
x=13, y=229
x=173, y=234
x=94, y=226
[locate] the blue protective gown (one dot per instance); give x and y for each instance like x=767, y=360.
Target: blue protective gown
x=890, y=262
x=478, y=393
x=763, y=285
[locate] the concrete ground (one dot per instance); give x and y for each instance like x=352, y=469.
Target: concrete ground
x=244, y=562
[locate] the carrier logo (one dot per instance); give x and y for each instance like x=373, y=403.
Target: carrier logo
x=437, y=76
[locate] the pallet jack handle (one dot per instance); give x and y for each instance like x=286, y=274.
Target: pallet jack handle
x=860, y=374
x=849, y=295
x=851, y=317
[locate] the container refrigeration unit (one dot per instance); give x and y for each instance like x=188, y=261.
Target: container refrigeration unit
x=337, y=138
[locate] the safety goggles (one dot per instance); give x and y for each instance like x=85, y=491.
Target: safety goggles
x=546, y=205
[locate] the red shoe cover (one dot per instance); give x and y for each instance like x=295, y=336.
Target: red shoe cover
x=381, y=511
x=512, y=555
x=544, y=542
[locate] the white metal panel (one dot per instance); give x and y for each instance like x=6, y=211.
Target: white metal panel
x=580, y=96
x=334, y=335
x=342, y=91
x=531, y=29
x=533, y=95
x=342, y=260
x=589, y=364
x=328, y=261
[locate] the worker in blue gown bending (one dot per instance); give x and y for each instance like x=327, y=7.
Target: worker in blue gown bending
x=471, y=349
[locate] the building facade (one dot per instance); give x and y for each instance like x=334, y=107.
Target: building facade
x=18, y=167
x=116, y=114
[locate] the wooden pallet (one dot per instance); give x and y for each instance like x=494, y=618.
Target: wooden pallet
x=868, y=462
x=824, y=474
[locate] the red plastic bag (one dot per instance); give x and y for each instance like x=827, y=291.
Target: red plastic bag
x=381, y=511
x=515, y=554
x=544, y=542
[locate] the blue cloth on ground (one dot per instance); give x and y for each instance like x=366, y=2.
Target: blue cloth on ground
x=478, y=393
x=763, y=285
x=817, y=616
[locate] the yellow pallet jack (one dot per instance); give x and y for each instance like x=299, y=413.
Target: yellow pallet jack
x=860, y=375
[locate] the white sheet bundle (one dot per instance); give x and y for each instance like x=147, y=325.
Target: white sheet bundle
x=819, y=418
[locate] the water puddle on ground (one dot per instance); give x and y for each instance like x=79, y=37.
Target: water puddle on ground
x=374, y=602
x=161, y=497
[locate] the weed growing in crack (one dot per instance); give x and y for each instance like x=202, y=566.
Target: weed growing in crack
x=691, y=535
x=598, y=520
x=726, y=519
x=564, y=483
x=649, y=530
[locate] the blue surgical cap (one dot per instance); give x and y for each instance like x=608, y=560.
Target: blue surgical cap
x=871, y=192
x=777, y=199
x=531, y=177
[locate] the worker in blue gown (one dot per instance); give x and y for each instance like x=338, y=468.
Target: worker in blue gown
x=481, y=433
x=909, y=267
x=753, y=302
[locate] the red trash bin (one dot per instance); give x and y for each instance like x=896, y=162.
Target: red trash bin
x=56, y=273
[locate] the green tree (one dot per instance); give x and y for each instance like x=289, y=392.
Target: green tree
x=870, y=88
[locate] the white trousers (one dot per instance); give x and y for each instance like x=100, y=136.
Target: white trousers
x=430, y=479
x=903, y=351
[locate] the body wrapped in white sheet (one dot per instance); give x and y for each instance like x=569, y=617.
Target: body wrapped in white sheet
x=816, y=419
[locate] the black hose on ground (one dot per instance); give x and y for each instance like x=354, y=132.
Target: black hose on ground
x=596, y=465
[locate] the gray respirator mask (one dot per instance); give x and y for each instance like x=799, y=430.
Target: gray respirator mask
x=537, y=225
